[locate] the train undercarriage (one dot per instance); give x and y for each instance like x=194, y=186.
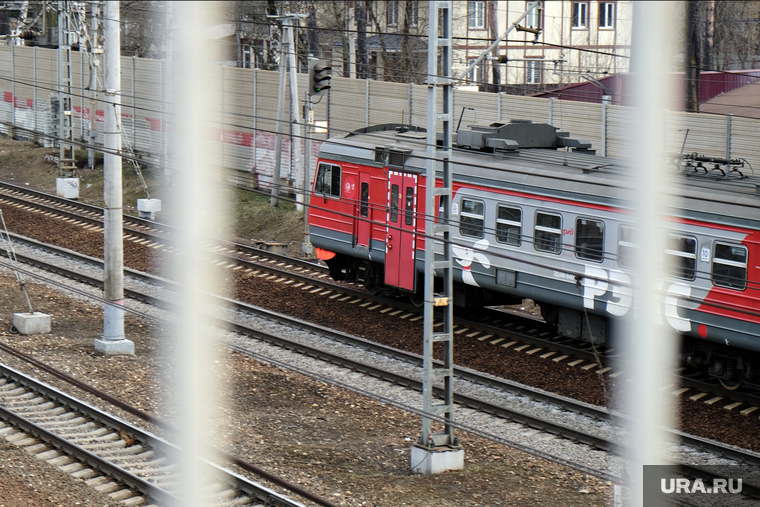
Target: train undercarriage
x=732, y=367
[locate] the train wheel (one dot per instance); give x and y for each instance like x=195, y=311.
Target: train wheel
x=731, y=384
x=417, y=301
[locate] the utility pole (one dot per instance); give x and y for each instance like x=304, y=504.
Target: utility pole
x=308, y=114
x=275, y=199
x=287, y=49
x=95, y=51
x=113, y=340
x=437, y=452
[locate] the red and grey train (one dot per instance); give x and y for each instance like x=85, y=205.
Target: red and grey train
x=538, y=215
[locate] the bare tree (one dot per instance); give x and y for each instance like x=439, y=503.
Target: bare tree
x=362, y=58
x=693, y=54
x=737, y=35
x=312, y=33
x=143, y=30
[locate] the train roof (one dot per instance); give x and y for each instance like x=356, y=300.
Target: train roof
x=707, y=187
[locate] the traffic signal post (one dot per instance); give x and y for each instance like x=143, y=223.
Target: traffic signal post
x=319, y=77
x=308, y=114
x=319, y=83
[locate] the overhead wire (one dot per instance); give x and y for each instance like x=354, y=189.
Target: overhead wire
x=472, y=165
x=527, y=88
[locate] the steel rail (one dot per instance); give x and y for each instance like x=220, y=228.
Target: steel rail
x=533, y=422
x=568, y=404
x=140, y=435
x=464, y=373
x=140, y=223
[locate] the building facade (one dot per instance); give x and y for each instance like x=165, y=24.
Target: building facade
x=565, y=42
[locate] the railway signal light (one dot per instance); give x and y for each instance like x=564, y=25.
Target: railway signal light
x=319, y=77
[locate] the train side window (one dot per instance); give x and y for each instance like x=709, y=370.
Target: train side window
x=548, y=233
x=589, y=239
x=627, y=247
x=682, y=252
x=328, y=180
x=409, y=218
x=394, y=203
x=729, y=267
x=364, y=205
x=443, y=209
x=472, y=221
x=509, y=225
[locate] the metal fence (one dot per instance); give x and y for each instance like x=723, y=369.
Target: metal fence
x=246, y=113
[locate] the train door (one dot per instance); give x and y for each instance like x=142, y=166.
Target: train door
x=401, y=223
x=363, y=212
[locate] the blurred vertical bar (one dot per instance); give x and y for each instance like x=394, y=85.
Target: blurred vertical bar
x=197, y=106
x=651, y=342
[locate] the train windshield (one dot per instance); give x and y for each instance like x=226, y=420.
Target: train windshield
x=328, y=180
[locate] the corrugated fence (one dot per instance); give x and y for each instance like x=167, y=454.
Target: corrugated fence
x=247, y=117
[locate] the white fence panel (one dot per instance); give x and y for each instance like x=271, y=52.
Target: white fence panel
x=247, y=125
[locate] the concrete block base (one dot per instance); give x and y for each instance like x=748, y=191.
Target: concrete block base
x=67, y=188
x=436, y=460
x=275, y=248
x=147, y=208
x=308, y=250
x=31, y=323
x=114, y=347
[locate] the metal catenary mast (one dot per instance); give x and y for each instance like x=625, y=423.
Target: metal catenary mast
x=438, y=452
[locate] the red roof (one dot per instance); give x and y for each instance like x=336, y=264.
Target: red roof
x=711, y=84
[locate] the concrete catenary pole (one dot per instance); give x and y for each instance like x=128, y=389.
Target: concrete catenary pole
x=295, y=119
x=113, y=340
x=95, y=51
x=275, y=199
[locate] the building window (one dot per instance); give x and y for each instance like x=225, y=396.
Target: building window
x=730, y=266
x=509, y=225
x=547, y=235
x=476, y=15
x=589, y=239
x=580, y=15
x=328, y=180
x=533, y=20
x=533, y=72
x=391, y=17
x=473, y=219
x=606, y=15
x=681, y=253
x=475, y=76
x=414, y=12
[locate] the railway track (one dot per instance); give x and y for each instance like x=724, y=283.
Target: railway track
x=112, y=456
x=529, y=336
x=526, y=336
x=497, y=329
x=137, y=230
x=571, y=406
